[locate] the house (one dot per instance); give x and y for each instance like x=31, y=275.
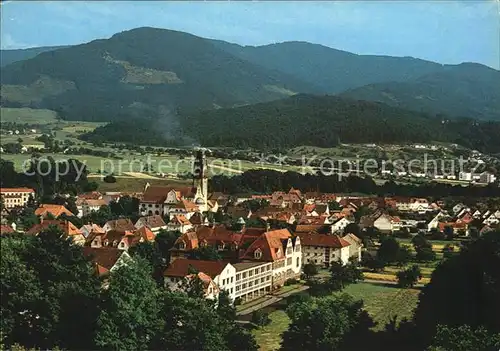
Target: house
x=16, y=197
x=383, y=222
x=322, y=249
x=180, y=223
x=210, y=288
x=465, y=176
x=223, y=274
x=45, y=210
x=355, y=247
x=155, y=223
x=157, y=200
x=183, y=207
x=87, y=206
x=122, y=224
x=122, y=240
x=69, y=229
x=89, y=228
x=434, y=222
x=486, y=178
x=279, y=248
x=339, y=225
x=106, y=260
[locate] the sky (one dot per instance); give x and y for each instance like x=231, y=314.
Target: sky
x=444, y=31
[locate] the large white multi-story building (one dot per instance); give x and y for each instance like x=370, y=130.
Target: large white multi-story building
x=16, y=197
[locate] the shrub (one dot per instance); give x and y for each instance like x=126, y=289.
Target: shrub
x=109, y=179
x=291, y=281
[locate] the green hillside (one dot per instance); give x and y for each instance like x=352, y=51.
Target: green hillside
x=157, y=73
x=138, y=73
x=10, y=56
x=468, y=89
x=322, y=121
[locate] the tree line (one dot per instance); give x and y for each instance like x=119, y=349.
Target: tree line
x=267, y=181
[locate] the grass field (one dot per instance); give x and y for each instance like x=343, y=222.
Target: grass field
x=28, y=115
x=135, y=184
x=382, y=302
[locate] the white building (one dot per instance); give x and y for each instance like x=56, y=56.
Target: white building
x=16, y=197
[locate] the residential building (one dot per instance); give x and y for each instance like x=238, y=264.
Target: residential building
x=69, y=229
x=87, y=206
x=122, y=224
x=223, y=274
x=278, y=247
x=323, y=249
x=155, y=223
x=89, y=228
x=180, y=223
x=106, y=260
x=16, y=197
x=355, y=247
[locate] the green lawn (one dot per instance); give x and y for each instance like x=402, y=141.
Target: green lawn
x=269, y=337
x=382, y=302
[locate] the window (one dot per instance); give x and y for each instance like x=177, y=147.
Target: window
x=250, y=273
x=289, y=261
x=268, y=278
x=223, y=281
x=238, y=288
x=257, y=254
x=231, y=290
x=243, y=286
x=298, y=261
x=182, y=245
x=244, y=275
x=256, y=282
x=262, y=280
x=231, y=279
x=238, y=276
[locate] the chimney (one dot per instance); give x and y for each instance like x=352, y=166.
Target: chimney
x=268, y=227
x=41, y=219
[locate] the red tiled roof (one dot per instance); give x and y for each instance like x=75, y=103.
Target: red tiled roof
x=67, y=227
x=145, y=233
x=180, y=267
x=270, y=244
x=122, y=224
x=322, y=240
x=54, y=210
x=154, y=221
x=104, y=258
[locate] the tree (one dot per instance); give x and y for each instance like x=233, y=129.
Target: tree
x=50, y=294
x=448, y=232
x=326, y=324
x=464, y=338
x=260, y=318
x=419, y=242
x=194, y=324
x=470, y=279
x=353, y=228
x=207, y=253
x=388, y=250
x=425, y=255
x=130, y=315
x=109, y=179
x=310, y=270
x=373, y=263
x=409, y=277
x=164, y=241
x=403, y=256
x=344, y=275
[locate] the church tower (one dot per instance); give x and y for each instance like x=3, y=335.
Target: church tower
x=200, y=180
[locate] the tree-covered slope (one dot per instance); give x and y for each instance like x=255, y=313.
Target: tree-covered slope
x=10, y=56
x=332, y=70
x=138, y=73
x=467, y=89
x=307, y=120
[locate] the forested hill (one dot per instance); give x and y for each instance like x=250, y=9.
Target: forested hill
x=150, y=72
x=138, y=73
x=467, y=89
x=332, y=70
x=10, y=56
x=311, y=120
